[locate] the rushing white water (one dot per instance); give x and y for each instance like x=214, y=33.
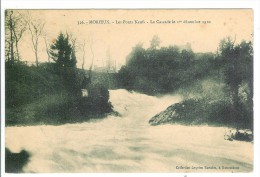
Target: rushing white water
x=128, y=143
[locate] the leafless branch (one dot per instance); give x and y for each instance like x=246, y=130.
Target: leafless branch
x=35, y=29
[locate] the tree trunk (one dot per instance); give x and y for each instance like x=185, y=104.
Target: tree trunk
x=47, y=49
x=8, y=53
x=83, y=62
x=11, y=41
x=235, y=96
x=235, y=105
x=17, y=51
x=36, y=56
x=36, y=52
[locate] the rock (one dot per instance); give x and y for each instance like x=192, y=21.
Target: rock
x=229, y=134
x=188, y=112
x=14, y=162
x=163, y=117
x=240, y=135
x=243, y=135
x=84, y=92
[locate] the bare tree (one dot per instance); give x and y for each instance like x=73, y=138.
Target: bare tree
x=92, y=60
x=83, y=48
x=74, y=47
x=9, y=39
x=88, y=78
x=93, y=56
x=18, y=34
x=36, y=29
x=84, y=52
x=15, y=27
x=47, y=46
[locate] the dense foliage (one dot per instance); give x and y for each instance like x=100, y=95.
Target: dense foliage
x=218, y=87
x=43, y=95
x=25, y=84
x=203, y=112
x=51, y=92
x=62, y=52
x=163, y=70
x=237, y=63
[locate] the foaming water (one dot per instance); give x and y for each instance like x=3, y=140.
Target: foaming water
x=128, y=143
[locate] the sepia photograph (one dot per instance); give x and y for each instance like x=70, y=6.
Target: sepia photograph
x=129, y=91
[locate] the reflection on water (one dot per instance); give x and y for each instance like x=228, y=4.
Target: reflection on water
x=128, y=143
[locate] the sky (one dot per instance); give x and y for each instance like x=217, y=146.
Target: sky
x=116, y=40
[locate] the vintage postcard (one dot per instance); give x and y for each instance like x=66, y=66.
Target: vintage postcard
x=129, y=91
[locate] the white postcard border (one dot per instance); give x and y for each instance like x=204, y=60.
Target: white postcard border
x=144, y=4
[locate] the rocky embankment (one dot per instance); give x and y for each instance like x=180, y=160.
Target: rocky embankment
x=187, y=112
x=163, y=117
x=198, y=112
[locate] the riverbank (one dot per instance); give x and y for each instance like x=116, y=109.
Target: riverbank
x=203, y=112
x=48, y=94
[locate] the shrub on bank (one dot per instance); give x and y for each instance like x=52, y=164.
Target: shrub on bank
x=49, y=94
x=202, y=111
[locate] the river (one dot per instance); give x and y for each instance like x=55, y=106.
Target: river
x=129, y=144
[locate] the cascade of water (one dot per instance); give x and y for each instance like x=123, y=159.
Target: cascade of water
x=128, y=143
